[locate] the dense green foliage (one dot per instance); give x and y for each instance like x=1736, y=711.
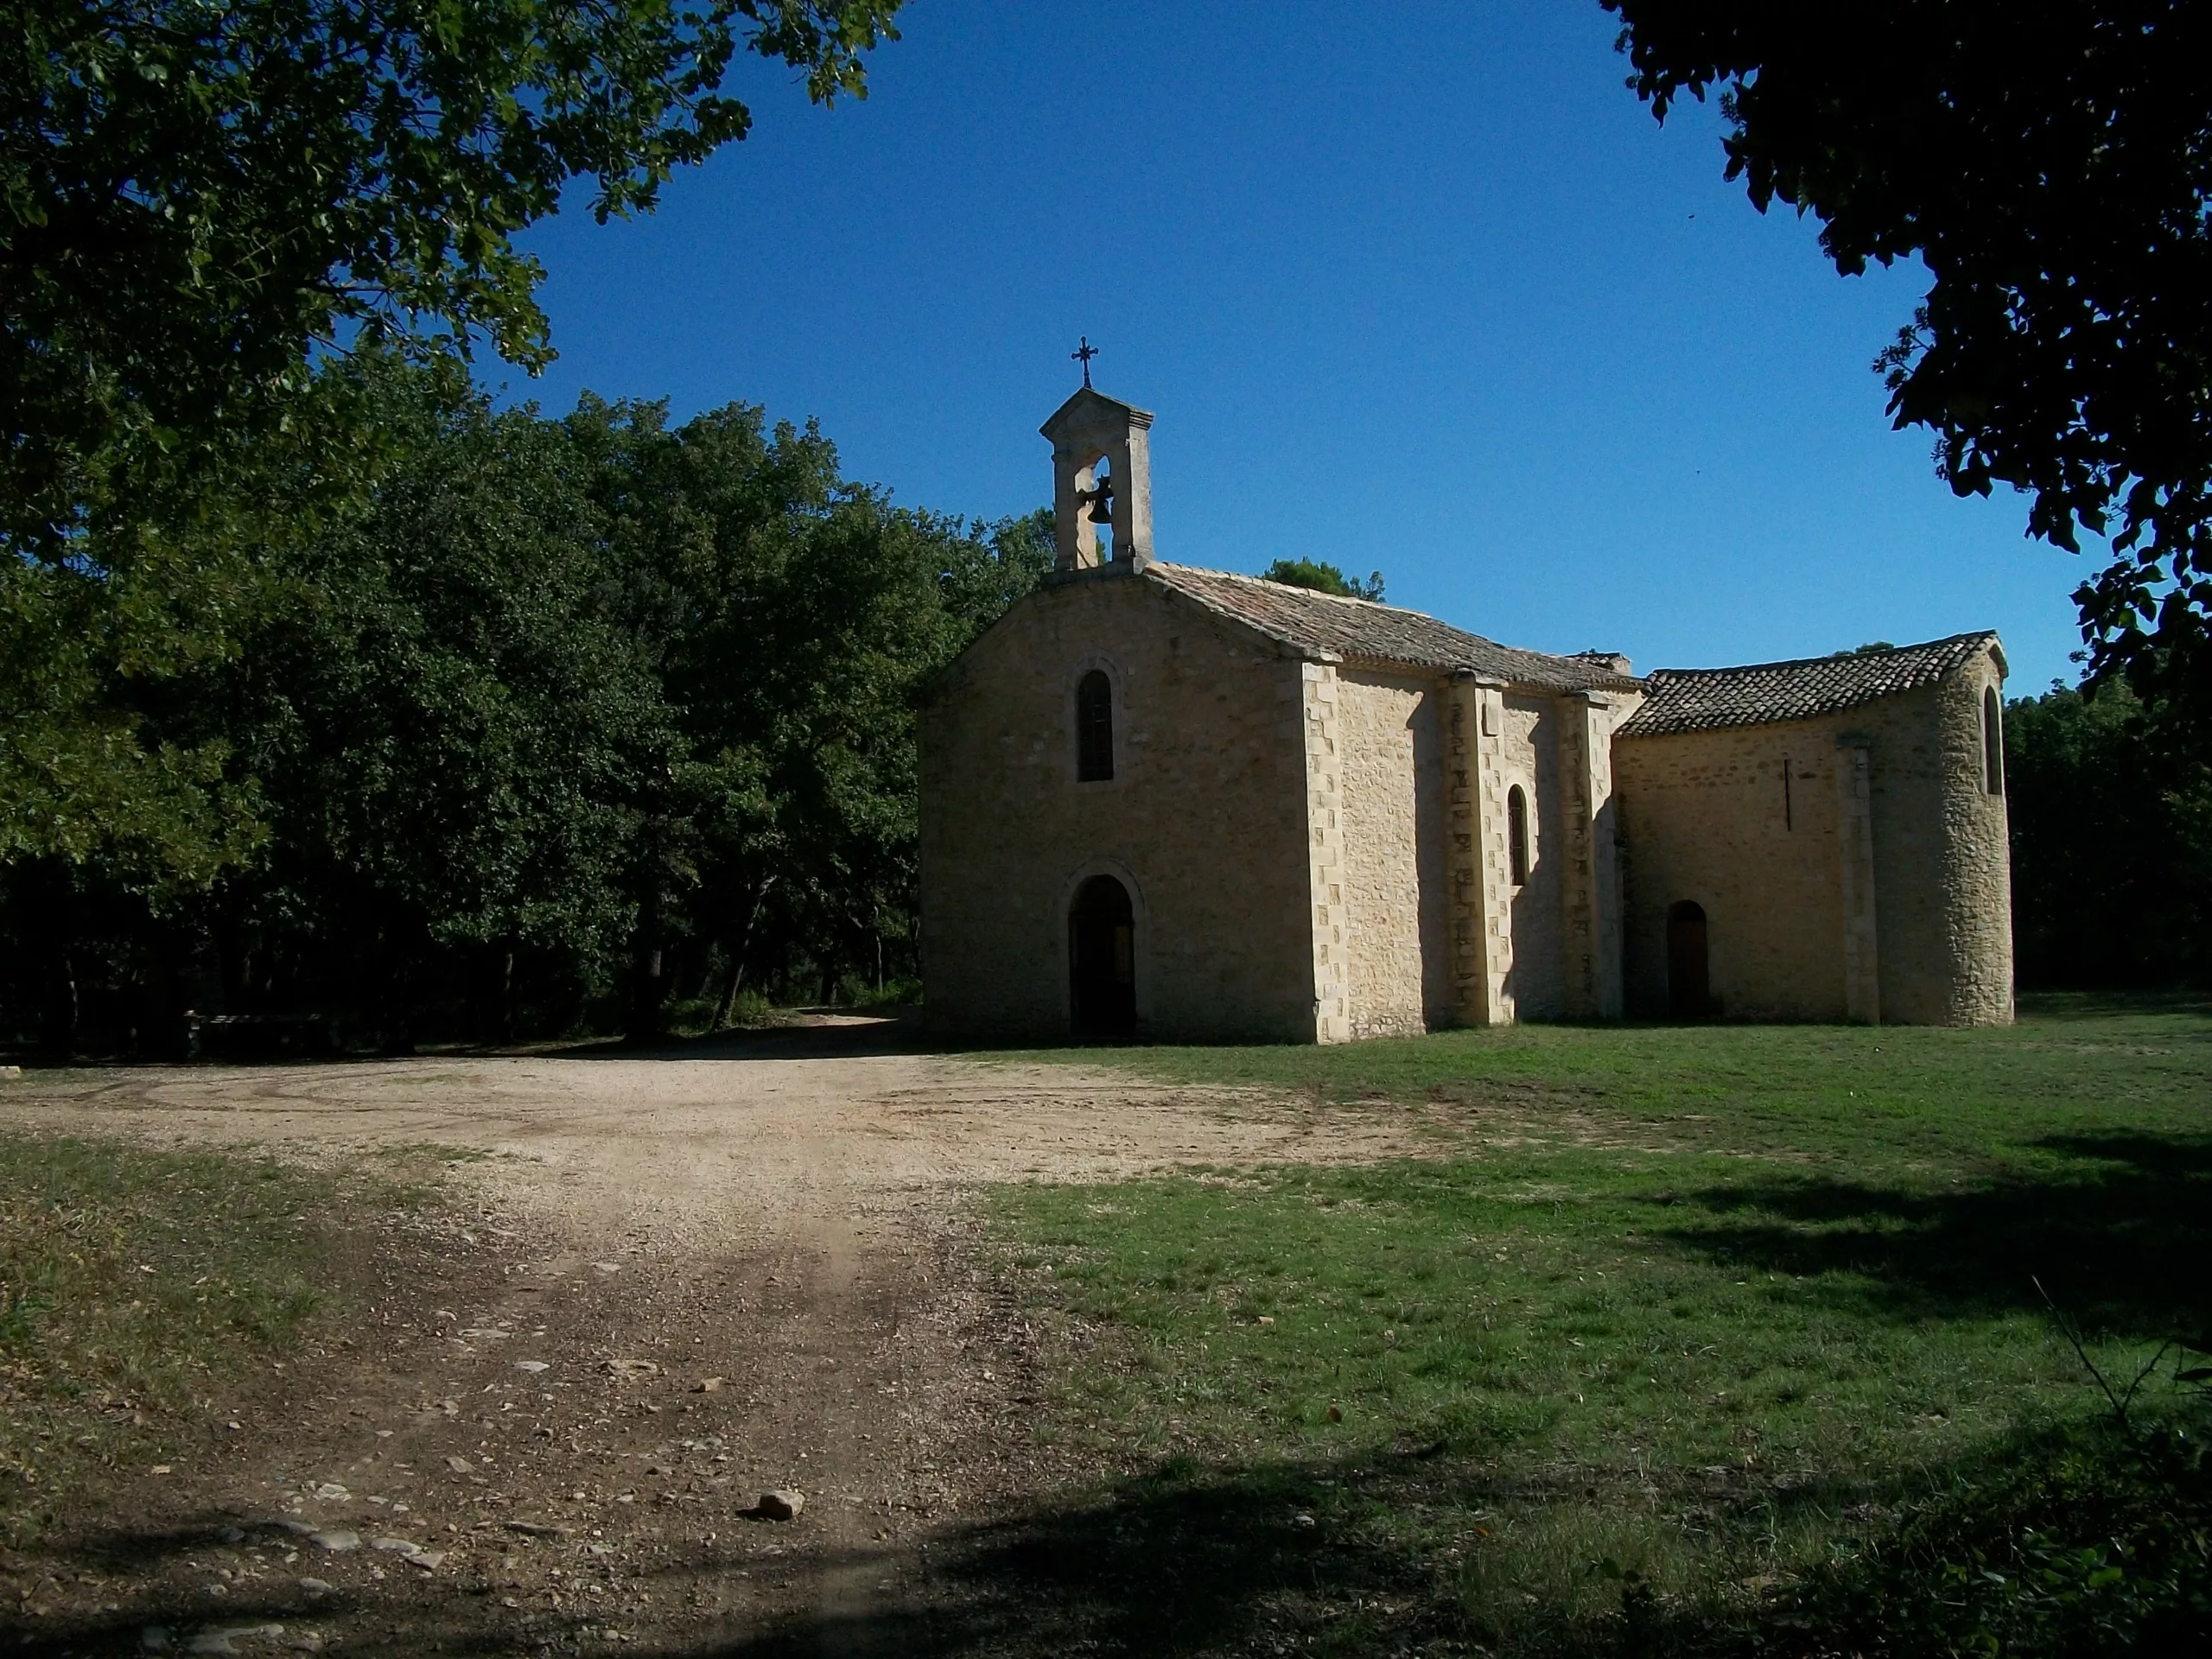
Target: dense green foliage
x=1323, y=578
x=565, y=720
x=2112, y=842
x=1662, y=1340
x=197, y=205
x=2052, y=167
x=193, y=197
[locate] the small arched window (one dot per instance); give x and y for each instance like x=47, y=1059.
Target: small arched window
x=1993, y=741
x=1517, y=833
x=1094, y=728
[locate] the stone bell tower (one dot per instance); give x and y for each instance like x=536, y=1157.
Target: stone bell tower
x=1101, y=479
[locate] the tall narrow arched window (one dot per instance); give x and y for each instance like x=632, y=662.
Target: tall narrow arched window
x=1094, y=728
x=1993, y=741
x=1517, y=833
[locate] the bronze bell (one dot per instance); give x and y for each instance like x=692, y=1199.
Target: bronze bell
x=1102, y=502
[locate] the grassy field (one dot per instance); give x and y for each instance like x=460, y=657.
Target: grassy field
x=138, y=1288
x=1689, y=1314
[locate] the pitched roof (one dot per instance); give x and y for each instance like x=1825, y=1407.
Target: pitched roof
x=1362, y=628
x=1699, y=699
x=1093, y=406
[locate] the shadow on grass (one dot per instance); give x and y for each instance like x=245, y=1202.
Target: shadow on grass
x=2120, y=1237
x=2041, y=1005
x=1187, y=1559
x=1384, y=1553
x=1180, y=1561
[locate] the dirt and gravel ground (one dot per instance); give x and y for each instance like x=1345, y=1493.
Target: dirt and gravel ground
x=659, y=1287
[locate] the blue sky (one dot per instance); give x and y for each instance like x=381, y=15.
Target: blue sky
x=1420, y=288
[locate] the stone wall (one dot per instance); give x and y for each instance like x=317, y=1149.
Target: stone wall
x=1529, y=756
x=1704, y=818
x=1709, y=817
x=1204, y=820
x=1391, y=731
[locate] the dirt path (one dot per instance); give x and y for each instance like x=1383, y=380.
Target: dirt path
x=694, y=1151
x=671, y=1284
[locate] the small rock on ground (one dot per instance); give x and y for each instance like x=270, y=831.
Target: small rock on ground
x=782, y=1504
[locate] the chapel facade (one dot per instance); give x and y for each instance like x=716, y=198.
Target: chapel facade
x=1165, y=803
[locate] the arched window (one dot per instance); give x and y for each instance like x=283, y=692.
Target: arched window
x=1094, y=728
x=1993, y=742
x=1517, y=833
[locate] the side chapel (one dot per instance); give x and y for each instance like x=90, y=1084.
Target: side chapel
x=1165, y=803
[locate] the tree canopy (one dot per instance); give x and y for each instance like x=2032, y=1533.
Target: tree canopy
x=217, y=222
x=193, y=197
x=563, y=721
x=2111, y=807
x=2052, y=167
x=1323, y=578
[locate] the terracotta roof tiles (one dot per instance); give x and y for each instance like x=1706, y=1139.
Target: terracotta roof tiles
x=1699, y=699
x=1359, y=628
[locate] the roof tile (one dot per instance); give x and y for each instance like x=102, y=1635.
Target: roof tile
x=1701, y=699
x=1362, y=628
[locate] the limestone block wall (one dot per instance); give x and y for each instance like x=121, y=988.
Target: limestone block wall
x=1529, y=756
x=1205, y=819
x=1391, y=735
x=1329, y=940
x=1942, y=857
x=1707, y=817
x=1978, y=857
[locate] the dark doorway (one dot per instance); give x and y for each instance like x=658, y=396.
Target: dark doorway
x=1689, y=991
x=1102, y=962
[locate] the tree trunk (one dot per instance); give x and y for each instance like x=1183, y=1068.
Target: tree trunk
x=728, y=1007
x=740, y=953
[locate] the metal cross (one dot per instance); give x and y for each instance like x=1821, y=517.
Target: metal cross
x=1082, y=354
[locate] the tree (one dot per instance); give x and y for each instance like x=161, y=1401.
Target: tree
x=208, y=214
x=2112, y=842
x=559, y=723
x=1323, y=579
x=193, y=198
x=453, y=736
x=793, y=617
x=2052, y=166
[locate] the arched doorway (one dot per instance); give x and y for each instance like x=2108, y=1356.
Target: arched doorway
x=1102, y=962
x=1689, y=988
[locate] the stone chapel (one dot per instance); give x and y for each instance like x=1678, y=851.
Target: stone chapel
x=1165, y=803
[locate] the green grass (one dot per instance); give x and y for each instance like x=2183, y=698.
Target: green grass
x=136, y=1288
x=1693, y=1312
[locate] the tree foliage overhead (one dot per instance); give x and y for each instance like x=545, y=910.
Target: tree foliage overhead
x=2052, y=166
x=193, y=195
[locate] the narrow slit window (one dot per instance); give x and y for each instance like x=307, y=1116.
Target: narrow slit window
x=1788, y=817
x=1993, y=742
x=1517, y=833
x=1094, y=728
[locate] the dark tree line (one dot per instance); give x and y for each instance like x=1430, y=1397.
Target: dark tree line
x=2112, y=842
x=563, y=725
